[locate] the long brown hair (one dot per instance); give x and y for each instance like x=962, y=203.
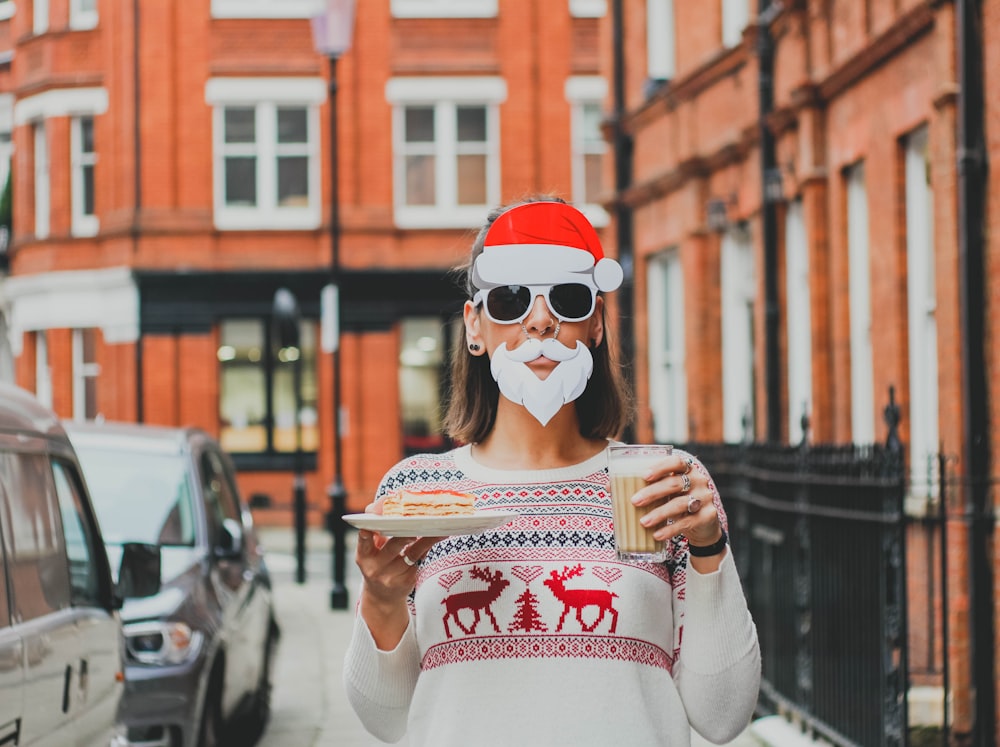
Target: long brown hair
x=603, y=409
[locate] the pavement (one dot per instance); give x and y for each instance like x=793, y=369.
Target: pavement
x=309, y=706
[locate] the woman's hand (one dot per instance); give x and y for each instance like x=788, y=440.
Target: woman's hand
x=686, y=503
x=389, y=568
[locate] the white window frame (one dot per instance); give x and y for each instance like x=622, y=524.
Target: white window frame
x=265, y=96
x=739, y=293
x=82, y=370
x=921, y=294
x=83, y=224
x=6, y=135
x=81, y=18
x=799, y=315
x=735, y=17
x=42, y=181
x=7, y=9
x=43, y=371
x=39, y=17
x=265, y=8
x=661, y=40
x=860, y=303
x=445, y=95
x=581, y=91
x=588, y=8
x=667, y=367
x=444, y=8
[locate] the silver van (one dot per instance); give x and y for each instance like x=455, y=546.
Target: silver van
x=62, y=658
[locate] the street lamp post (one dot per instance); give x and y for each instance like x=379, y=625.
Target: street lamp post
x=332, y=30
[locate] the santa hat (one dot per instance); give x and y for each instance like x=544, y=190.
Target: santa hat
x=544, y=242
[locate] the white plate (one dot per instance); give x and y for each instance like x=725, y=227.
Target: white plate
x=430, y=526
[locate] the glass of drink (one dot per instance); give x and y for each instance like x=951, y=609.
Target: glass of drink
x=627, y=465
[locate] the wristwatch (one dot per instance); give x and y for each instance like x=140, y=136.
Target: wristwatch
x=707, y=551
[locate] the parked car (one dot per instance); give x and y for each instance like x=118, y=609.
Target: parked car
x=62, y=656
x=199, y=653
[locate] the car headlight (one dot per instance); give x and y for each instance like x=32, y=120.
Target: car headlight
x=162, y=643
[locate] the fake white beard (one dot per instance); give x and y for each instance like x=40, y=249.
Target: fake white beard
x=542, y=397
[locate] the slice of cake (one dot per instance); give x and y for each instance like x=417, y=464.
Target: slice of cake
x=429, y=503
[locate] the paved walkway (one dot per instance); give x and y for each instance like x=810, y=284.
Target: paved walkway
x=310, y=708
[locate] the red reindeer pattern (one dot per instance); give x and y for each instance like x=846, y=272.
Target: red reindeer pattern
x=479, y=601
x=579, y=599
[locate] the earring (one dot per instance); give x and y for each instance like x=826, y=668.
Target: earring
x=474, y=347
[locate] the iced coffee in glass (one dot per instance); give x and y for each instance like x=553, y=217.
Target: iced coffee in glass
x=627, y=466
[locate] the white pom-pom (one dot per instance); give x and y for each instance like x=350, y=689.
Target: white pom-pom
x=608, y=274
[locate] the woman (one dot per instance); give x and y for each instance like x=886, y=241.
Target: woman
x=535, y=633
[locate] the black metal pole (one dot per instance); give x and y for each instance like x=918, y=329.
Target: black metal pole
x=769, y=221
x=336, y=491
x=300, y=480
x=972, y=170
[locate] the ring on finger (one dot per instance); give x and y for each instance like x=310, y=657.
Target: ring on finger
x=406, y=559
x=690, y=464
x=669, y=522
x=685, y=483
x=694, y=505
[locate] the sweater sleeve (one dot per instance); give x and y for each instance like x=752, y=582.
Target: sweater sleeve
x=380, y=684
x=718, y=671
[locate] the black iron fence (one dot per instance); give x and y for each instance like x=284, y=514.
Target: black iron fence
x=819, y=536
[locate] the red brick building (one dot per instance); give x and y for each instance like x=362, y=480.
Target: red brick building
x=803, y=241
x=171, y=171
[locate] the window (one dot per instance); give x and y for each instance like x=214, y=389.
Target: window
x=586, y=95
x=446, y=150
x=37, y=554
x=799, y=317
x=738, y=295
x=859, y=292
x=7, y=9
x=43, y=371
x=264, y=8
x=82, y=14
x=667, y=375
x=421, y=368
x=661, y=45
x=81, y=542
x=588, y=8
x=6, y=129
x=444, y=8
x=257, y=397
x=85, y=372
x=267, y=173
x=41, y=181
x=39, y=16
x=735, y=17
x=83, y=159
x=219, y=494
x=921, y=293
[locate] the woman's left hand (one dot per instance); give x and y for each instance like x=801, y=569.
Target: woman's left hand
x=687, y=497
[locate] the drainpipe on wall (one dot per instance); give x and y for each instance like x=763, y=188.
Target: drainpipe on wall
x=622, y=145
x=137, y=192
x=972, y=168
x=769, y=218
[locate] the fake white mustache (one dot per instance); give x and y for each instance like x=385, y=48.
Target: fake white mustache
x=550, y=347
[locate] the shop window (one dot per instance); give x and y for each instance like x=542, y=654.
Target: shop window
x=421, y=370
x=446, y=146
x=260, y=410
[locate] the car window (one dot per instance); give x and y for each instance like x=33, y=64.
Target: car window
x=220, y=497
x=139, y=497
x=81, y=543
x=36, y=553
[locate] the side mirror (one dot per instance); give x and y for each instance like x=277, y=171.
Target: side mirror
x=139, y=573
x=230, y=543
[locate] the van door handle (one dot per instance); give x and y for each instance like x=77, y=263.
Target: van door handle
x=66, y=680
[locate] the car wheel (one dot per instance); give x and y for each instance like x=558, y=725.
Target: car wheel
x=252, y=727
x=211, y=714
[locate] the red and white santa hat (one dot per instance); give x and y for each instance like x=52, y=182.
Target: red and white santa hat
x=540, y=243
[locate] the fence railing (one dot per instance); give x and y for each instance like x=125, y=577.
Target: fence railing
x=819, y=539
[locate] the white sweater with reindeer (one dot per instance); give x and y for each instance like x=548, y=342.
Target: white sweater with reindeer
x=535, y=634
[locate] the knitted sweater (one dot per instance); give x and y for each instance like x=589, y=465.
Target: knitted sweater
x=534, y=633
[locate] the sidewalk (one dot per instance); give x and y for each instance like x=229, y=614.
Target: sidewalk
x=310, y=708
